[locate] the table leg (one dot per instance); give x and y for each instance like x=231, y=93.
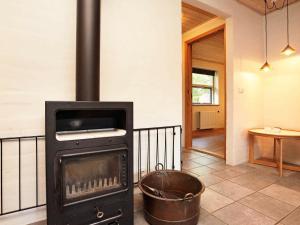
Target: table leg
x=251, y=146
x=274, y=150
x=280, y=157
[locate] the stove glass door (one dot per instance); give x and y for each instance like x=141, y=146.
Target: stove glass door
x=92, y=174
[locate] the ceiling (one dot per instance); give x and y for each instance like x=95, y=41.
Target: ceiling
x=192, y=17
x=210, y=48
x=259, y=5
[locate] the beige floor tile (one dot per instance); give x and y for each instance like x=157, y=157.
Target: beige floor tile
x=216, y=159
x=268, y=206
x=271, y=170
x=238, y=214
x=187, y=165
x=244, y=168
x=231, y=190
x=212, y=157
x=204, y=160
x=292, y=219
x=210, y=220
x=203, y=213
x=137, y=202
x=212, y=201
x=137, y=190
x=283, y=194
x=292, y=181
x=186, y=157
x=227, y=173
x=189, y=172
x=219, y=166
x=139, y=219
x=202, y=170
x=254, y=180
x=209, y=179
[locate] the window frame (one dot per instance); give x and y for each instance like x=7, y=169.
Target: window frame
x=203, y=86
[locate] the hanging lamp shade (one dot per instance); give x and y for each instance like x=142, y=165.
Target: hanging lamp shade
x=266, y=67
x=288, y=50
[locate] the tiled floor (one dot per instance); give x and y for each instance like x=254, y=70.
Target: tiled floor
x=245, y=194
x=241, y=195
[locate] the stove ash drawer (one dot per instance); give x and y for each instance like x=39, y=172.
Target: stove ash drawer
x=111, y=214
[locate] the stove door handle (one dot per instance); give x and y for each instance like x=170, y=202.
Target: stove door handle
x=109, y=219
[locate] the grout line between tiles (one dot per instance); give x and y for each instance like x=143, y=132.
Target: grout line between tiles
x=288, y=214
x=238, y=201
x=243, y=205
x=263, y=213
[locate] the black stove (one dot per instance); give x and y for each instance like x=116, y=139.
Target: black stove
x=89, y=163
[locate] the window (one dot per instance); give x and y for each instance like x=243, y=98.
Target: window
x=204, y=87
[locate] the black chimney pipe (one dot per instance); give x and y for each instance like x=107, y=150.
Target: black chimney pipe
x=88, y=50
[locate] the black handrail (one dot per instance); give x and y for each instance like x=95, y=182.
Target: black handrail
x=140, y=171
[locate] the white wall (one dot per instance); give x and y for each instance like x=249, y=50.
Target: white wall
x=281, y=85
x=37, y=61
x=244, y=44
x=141, y=58
x=140, y=62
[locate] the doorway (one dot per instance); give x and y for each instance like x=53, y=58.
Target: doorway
x=208, y=94
x=205, y=92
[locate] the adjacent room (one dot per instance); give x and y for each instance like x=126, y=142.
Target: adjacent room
x=207, y=84
x=149, y=112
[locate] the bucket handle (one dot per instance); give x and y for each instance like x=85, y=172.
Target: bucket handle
x=158, y=165
x=188, y=197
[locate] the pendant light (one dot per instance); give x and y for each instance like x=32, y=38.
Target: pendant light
x=266, y=67
x=288, y=50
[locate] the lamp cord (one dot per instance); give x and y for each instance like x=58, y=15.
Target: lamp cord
x=266, y=30
x=274, y=6
x=288, y=23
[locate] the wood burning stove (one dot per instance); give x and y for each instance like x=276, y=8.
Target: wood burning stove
x=89, y=158
x=89, y=150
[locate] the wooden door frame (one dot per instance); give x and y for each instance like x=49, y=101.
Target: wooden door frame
x=188, y=83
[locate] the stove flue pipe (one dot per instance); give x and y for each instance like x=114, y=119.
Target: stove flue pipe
x=88, y=50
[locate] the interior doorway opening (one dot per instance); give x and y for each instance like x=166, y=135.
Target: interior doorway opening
x=208, y=94
x=205, y=88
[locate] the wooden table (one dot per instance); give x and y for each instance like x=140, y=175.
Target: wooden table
x=277, y=156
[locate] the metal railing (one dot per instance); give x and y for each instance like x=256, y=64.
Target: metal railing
x=161, y=148
x=151, y=146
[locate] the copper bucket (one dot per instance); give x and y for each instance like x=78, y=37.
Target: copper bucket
x=171, y=197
